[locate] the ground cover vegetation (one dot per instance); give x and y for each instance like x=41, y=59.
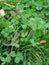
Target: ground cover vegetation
x=24, y=32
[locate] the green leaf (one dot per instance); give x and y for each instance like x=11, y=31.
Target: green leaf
x=13, y=54
x=48, y=60
x=33, y=43
x=19, y=56
x=2, y=58
x=8, y=59
x=15, y=44
x=37, y=23
x=39, y=5
x=39, y=62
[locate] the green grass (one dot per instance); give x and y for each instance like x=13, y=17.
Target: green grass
x=24, y=38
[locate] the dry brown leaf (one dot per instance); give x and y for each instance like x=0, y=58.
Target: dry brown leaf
x=30, y=25
x=43, y=41
x=9, y=5
x=17, y=11
x=13, y=13
x=16, y=36
x=2, y=12
x=7, y=44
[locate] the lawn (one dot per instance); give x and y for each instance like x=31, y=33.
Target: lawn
x=24, y=32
